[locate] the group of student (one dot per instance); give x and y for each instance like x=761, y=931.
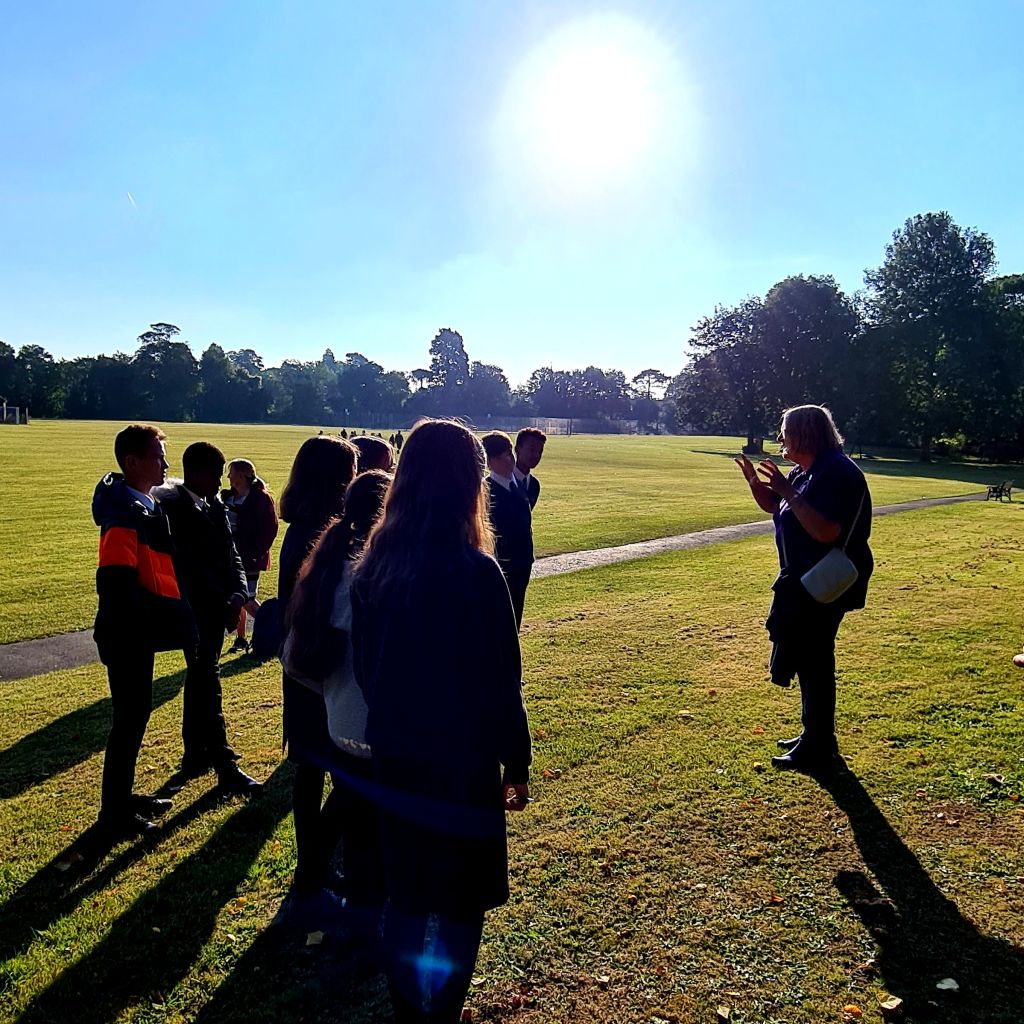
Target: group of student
x=402, y=589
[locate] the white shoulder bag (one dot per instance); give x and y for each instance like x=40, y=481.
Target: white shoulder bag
x=833, y=576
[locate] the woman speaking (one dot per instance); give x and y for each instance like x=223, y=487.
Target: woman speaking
x=822, y=514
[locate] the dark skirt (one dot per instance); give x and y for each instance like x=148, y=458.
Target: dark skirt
x=305, y=728
x=442, y=835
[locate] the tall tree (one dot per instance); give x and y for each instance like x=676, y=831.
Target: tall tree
x=449, y=364
x=930, y=294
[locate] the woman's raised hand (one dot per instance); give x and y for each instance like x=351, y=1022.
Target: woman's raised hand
x=776, y=480
x=747, y=469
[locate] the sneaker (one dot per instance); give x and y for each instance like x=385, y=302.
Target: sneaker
x=789, y=744
x=233, y=781
x=240, y=646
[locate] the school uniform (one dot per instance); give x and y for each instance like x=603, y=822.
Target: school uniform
x=512, y=521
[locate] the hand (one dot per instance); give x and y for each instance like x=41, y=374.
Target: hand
x=517, y=797
x=233, y=613
x=776, y=481
x=747, y=469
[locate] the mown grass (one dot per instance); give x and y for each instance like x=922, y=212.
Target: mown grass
x=663, y=870
x=597, y=491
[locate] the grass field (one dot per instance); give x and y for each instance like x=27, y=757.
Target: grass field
x=597, y=491
x=662, y=872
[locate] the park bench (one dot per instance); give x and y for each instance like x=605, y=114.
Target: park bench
x=1000, y=491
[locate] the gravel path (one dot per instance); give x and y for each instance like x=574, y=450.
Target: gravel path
x=71, y=650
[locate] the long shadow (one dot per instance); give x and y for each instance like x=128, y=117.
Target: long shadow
x=76, y=736
x=977, y=473
x=922, y=936
x=280, y=978
x=152, y=946
x=57, y=888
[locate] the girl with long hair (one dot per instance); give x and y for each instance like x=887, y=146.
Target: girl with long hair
x=437, y=657
x=318, y=650
x=313, y=497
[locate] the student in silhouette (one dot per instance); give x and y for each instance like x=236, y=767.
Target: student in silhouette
x=446, y=720
x=511, y=518
x=529, y=451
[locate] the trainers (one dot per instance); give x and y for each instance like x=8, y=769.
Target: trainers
x=789, y=744
x=240, y=646
x=232, y=780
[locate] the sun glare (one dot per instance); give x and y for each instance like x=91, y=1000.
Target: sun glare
x=595, y=107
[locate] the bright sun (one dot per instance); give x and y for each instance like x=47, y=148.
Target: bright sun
x=592, y=108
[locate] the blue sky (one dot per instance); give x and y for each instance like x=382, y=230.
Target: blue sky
x=306, y=175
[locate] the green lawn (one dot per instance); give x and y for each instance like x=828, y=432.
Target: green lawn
x=663, y=870
x=597, y=491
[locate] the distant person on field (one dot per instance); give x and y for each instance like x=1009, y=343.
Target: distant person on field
x=141, y=610
x=446, y=719
x=821, y=504
x=253, y=518
x=399, y=441
x=211, y=570
x=374, y=453
x=318, y=650
x=529, y=451
x=313, y=498
x=511, y=518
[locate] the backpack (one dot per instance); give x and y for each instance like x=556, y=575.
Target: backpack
x=266, y=631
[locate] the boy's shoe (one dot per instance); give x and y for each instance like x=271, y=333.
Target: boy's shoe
x=789, y=744
x=233, y=781
x=240, y=646
x=126, y=826
x=150, y=806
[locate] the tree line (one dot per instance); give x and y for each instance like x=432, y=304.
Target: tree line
x=163, y=380
x=930, y=354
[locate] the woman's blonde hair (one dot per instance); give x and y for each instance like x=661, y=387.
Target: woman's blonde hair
x=436, y=511
x=811, y=429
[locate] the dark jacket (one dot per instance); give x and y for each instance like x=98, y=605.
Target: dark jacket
x=255, y=528
x=532, y=490
x=442, y=680
x=512, y=521
x=207, y=563
x=141, y=604
x=836, y=488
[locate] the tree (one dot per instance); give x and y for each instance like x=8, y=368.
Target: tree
x=487, y=391
x=420, y=377
x=39, y=381
x=646, y=380
x=449, y=364
x=930, y=296
x=167, y=374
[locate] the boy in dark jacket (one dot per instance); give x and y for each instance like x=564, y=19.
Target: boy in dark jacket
x=141, y=611
x=511, y=518
x=212, y=575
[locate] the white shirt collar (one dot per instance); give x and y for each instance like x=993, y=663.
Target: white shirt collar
x=505, y=481
x=145, y=499
x=519, y=474
x=200, y=501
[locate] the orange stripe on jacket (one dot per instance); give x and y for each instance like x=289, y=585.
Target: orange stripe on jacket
x=156, y=572
x=119, y=546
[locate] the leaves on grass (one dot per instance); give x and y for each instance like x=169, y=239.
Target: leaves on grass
x=892, y=1008
x=948, y=985
x=552, y=773
x=852, y=1011
x=314, y=938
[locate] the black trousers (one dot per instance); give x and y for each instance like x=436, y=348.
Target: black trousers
x=429, y=961
x=518, y=580
x=130, y=676
x=203, y=730
x=803, y=636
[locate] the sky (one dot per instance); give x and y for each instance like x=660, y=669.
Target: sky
x=563, y=183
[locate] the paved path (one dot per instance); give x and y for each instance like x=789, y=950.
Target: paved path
x=70, y=650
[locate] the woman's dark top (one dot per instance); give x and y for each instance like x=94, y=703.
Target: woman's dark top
x=834, y=486
x=442, y=680
x=254, y=528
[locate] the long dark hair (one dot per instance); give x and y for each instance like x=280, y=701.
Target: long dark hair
x=436, y=511
x=324, y=466
x=308, y=614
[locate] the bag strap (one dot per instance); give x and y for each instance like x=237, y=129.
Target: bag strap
x=856, y=518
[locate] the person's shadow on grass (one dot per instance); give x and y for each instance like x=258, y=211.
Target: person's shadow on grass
x=76, y=736
x=154, y=944
x=922, y=936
